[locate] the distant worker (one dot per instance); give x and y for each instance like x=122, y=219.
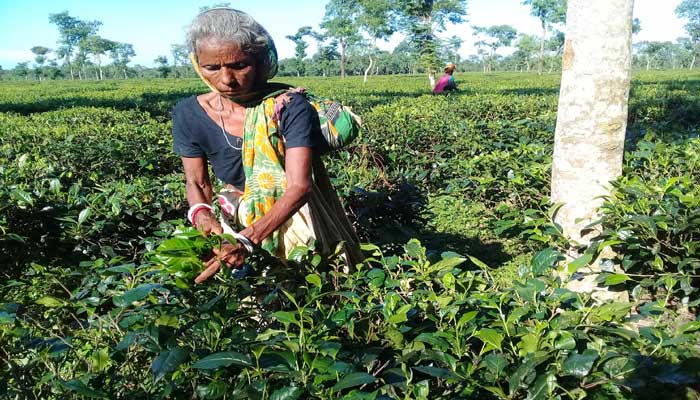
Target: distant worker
x=447, y=81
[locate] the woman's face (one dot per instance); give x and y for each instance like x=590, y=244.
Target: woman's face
x=227, y=67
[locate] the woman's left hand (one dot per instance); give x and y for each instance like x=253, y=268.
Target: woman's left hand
x=232, y=255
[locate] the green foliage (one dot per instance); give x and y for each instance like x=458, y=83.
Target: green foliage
x=421, y=20
x=690, y=10
x=651, y=219
x=549, y=12
x=97, y=298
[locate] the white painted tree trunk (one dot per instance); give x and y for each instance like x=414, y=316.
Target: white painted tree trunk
x=592, y=114
x=342, y=59
x=369, y=68
x=431, y=79
x=540, y=65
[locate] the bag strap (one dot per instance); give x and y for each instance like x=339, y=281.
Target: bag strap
x=281, y=100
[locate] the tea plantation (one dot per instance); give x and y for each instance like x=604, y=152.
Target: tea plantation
x=463, y=294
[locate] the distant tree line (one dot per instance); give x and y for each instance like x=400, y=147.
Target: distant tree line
x=346, y=44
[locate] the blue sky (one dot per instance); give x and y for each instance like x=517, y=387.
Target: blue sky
x=153, y=25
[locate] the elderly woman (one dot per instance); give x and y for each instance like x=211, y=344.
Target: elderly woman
x=264, y=149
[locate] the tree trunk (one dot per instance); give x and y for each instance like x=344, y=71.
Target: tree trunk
x=692, y=62
x=592, y=115
x=648, y=62
x=371, y=62
x=125, y=77
x=431, y=78
x=542, y=40
x=342, y=59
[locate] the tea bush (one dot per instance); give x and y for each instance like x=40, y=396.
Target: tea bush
x=463, y=293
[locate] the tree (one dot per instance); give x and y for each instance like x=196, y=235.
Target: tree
x=22, y=70
x=526, y=48
x=375, y=18
x=651, y=51
x=180, y=54
x=690, y=10
x=340, y=24
x=325, y=57
x=97, y=46
x=549, y=12
x=72, y=31
x=80, y=61
x=406, y=54
x=636, y=26
x=494, y=37
x=450, y=48
x=121, y=54
x=40, y=58
x=686, y=48
x=592, y=113
x=555, y=45
x=421, y=20
x=300, y=48
x=162, y=63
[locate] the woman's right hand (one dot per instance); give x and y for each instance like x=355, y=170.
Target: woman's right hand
x=206, y=223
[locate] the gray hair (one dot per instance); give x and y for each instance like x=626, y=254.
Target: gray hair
x=234, y=26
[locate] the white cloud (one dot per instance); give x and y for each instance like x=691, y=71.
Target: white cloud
x=10, y=57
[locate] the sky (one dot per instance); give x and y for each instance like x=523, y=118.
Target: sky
x=153, y=25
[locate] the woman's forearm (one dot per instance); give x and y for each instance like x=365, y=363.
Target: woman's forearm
x=291, y=201
x=198, y=187
x=296, y=194
x=198, y=192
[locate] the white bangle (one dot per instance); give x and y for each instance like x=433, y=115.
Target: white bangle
x=194, y=208
x=249, y=247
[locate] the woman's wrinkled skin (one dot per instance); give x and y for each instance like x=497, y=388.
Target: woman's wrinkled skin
x=233, y=72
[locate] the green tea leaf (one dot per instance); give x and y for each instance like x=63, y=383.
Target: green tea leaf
x=414, y=249
x=544, y=260
x=354, y=379
x=447, y=263
x=287, y=393
x=579, y=263
x=222, y=359
x=84, y=215
x=565, y=341
x=616, y=279
x=495, y=363
x=286, y=317
x=168, y=320
x=448, y=280
x=479, y=263
x=490, y=337
x=50, y=302
x=314, y=279
x=466, y=317
x=579, y=365
x=542, y=388
x=131, y=296
x=83, y=390
x=441, y=373
x=168, y=361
